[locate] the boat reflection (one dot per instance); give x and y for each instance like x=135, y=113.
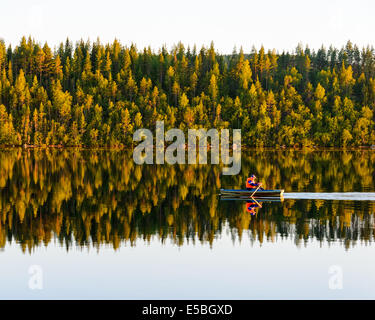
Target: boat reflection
x=252, y=205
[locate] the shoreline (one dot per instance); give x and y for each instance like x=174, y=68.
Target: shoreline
x=243, y=148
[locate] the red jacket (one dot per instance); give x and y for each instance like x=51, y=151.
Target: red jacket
x=250, y=183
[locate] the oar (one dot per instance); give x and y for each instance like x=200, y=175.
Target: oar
x=260, y=206
x=255, y=191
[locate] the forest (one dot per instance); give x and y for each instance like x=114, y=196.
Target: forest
x=93, y=94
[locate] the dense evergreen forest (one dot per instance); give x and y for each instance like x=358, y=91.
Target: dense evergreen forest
x=91, y=94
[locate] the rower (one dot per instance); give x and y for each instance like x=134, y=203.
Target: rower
x=251, y=184
x=251, y=206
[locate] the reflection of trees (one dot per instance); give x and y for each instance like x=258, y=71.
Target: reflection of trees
x=304, y=220
x=88, y=197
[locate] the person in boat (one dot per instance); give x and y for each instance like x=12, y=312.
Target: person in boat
x=251, y=207
x=251, y=184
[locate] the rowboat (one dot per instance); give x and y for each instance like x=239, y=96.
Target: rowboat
x=265, y=199
x=243, y=193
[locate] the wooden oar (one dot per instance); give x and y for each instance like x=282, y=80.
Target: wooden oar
x=260, y=206
x=255, y=191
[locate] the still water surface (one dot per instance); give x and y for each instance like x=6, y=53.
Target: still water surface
x=100, y=226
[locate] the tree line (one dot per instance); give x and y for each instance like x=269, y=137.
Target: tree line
x=94, y=94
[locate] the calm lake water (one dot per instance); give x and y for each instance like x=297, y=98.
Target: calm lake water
x=95, y=225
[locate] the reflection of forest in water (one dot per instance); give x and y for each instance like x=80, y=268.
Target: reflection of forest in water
x=96, y=197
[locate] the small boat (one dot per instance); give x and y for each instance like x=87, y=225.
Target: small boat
x=262, y=199
x=243, y=193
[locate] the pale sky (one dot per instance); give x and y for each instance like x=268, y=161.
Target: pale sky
x=273, y=23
